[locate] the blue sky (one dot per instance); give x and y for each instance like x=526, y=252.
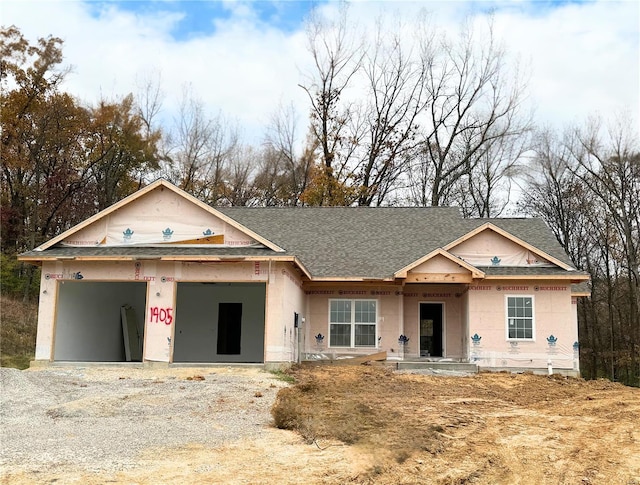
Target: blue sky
x=200, y=16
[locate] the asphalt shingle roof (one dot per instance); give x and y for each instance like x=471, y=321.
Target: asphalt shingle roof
x=354, y=241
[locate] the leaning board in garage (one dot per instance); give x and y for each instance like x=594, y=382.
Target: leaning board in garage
x=132, y=336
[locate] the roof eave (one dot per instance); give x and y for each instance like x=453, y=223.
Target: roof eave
x=351, y=279
x=573, y=278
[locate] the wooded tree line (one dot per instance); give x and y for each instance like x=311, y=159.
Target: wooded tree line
x=434, y=120
x=586, y=186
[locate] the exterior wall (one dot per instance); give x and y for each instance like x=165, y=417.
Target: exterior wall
x=398, y=314
x=464, y=311
x=285, y=297
x=389, y=313
x=47, y=309
x=576, y=345
x=161, y=278
x=553, y=315
x=451, y=298
x=468, y=310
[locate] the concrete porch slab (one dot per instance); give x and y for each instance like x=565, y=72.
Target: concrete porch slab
x=434, y=365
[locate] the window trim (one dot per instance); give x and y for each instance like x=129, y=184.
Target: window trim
x=533, y=318
x=352, y=324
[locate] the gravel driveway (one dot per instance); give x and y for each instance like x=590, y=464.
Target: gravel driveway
x=102, y=419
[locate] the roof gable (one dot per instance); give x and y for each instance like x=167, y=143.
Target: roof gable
x=441, y=264
x=160, y=214
x=490, y=245
x=439, y=261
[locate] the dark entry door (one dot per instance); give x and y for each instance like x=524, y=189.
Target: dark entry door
x=431, y=330
x=229, y=328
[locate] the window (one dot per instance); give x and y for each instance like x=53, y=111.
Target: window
x=352, y=323
x=520, y=317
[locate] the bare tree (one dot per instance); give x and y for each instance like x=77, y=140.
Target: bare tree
x=198, y=150
x=588, y=191
x=149, y=98
x=486, y=190
x=286, y=164
x=239, y=189
x=610, y=167
x=472, y=105
x=337, y=57
x=394, y=102
x=554, y=192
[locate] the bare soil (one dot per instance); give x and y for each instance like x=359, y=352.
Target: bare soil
x=368, y=425
x=486, y=428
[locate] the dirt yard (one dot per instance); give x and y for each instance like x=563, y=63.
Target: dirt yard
x=361, y=425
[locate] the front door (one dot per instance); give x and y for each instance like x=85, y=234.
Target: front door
x=431, y=330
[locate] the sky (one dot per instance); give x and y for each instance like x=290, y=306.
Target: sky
x=244, y=59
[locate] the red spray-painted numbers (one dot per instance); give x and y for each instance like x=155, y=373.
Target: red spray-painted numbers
x=161, y=315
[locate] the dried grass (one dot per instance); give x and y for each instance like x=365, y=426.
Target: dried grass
x=325, y=406
x=17, y=332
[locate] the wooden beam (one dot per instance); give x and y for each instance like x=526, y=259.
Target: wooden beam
x=217, y=239
x=439, y=278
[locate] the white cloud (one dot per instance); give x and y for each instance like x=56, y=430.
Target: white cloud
x=583, y=57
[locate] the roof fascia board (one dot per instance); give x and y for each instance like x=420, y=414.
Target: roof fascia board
x=511, y=237
x=351, y=279
x=568, y=276
x=302, y=267
x=353, y=284
x=145, y=190
x=213, y=259
x=475, y=272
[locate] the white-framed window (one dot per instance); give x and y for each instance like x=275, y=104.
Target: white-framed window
x=353, y=323
x=520, y=317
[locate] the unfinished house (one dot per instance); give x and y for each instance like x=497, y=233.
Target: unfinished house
x=162, y=277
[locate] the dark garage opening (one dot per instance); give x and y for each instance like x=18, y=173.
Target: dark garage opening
x=89, y=320
x=219, y=322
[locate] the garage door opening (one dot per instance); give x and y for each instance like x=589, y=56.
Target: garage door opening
x=219, y=322
x=89, y=322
